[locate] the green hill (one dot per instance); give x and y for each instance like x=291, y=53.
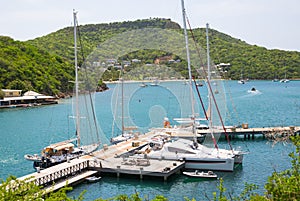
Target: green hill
x=45, y=64
x=26, y=67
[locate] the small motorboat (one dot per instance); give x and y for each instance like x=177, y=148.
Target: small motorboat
x=34, y=157
x=209, y=174
x=253, y=90
x=143, y=85
x=92, y=179
x=241, y=82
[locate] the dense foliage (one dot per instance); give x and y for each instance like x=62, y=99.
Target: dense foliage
x=25, y=67
x=15, y=190
x=250, y=61
x=45, y=63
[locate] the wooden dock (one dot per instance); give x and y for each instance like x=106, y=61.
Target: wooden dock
x=58, y=173
x=117, y=159
x=114, y=159
x=245, y=132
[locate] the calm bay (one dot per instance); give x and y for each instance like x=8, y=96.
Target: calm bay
x=28, y=130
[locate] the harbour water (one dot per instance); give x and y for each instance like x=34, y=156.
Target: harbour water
x=28, y=130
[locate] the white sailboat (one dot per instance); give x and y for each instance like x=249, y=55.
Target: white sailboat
x=66, y=150
x=126, y=132
x=195, y=155
x=241, y=81
x=284, y=80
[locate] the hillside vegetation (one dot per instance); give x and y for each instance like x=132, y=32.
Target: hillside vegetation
x=45, y=64
x=26, y=67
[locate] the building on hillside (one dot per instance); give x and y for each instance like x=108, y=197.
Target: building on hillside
x=223, y=67
x=12, y=92
x=14, y=98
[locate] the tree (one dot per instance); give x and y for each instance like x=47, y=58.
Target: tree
x=285, y=185
x=1, y=94
x=14, y=190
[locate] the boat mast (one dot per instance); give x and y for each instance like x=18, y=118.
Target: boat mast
x=122, y=94
x=76, y=81
x=189, y=68
x=209, y=78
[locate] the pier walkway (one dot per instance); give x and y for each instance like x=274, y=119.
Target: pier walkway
x=246, y=132
x=113, y=159
x=117, y=159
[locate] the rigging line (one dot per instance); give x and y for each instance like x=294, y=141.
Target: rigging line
x=198, y=51
x=205, y=74
x=210, y=88
x=197, y=48
x=211, y=92
x=198, y=92
x=115, y=110
x=233, y=105
x=218, y=111
x=87, y=79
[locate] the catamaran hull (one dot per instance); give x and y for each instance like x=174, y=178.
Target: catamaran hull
x=222, y=165
x=200, y=163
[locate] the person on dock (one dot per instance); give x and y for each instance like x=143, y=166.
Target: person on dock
x=167, y=123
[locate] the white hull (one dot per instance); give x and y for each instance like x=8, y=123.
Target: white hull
x=284, y=80
x=198, y=174
x=121, y=138
x=221, y=165
x=202, y=158
x=34, y=157
x=92, y=179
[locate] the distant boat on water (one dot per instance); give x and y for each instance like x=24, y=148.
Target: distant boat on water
x=143, y=84
x=284, y=80
x=253, y=90
x=241, y=81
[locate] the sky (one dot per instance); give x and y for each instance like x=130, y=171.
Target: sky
x=268, y=23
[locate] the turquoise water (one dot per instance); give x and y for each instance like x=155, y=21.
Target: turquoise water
x=28, y=130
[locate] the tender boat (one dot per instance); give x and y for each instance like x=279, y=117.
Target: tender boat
x=241, y=82
x=92, y=179
x=209, y=174
x=121, y=138
x=143, y=85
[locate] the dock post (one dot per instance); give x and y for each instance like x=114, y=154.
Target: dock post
x=165, y=178
x=141, y=175
x=118, y=171
x=252, y=136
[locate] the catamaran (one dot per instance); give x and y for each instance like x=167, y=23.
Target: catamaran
x=195, y=155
